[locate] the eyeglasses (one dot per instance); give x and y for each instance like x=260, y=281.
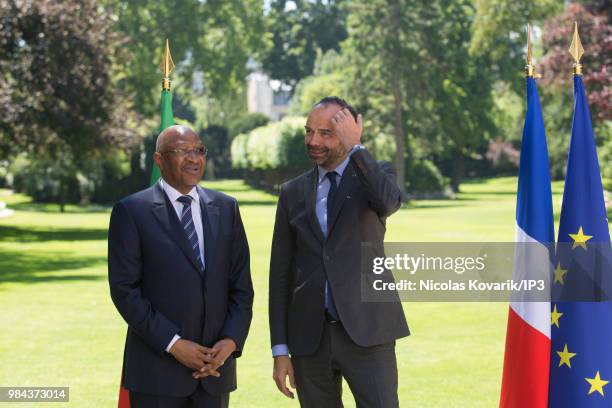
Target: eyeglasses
x=198, y=152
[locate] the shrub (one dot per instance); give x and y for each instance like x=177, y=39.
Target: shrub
x=248, y=122
x=271, y=154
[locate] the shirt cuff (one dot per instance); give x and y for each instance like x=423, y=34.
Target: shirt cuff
x=280, y=350
x=174, y=339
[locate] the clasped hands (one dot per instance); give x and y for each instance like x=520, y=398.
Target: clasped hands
x=204, y=361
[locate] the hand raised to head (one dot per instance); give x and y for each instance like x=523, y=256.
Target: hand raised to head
x=347, y=129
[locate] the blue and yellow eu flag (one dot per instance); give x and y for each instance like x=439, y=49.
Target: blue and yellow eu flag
x=581, y=318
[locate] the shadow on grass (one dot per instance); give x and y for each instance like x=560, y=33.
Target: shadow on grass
x=9, y=233
x=55, y=208
x=485, y=192
x=415, y=205
x=263, y=201
x=434, y=203
x=34, y=267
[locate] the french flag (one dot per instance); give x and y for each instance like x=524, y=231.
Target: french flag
x=527, y=357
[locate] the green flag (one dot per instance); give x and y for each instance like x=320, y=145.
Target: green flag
x=167, y=119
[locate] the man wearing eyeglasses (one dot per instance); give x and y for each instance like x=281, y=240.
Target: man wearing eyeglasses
x=179, y=274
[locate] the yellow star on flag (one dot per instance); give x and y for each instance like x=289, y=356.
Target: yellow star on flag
x=554, y=317
x=597, y=384
x=580, y=239
x=559, y=273
x=565, y=357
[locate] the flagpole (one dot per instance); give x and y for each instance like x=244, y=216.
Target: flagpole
x=167, y=66
x=576, y=50
x=167, y=116
x=529, y=68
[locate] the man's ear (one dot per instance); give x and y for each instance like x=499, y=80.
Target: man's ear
x=157, y=159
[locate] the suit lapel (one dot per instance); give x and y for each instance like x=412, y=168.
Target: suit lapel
x=347, y=184
x=165, y=214
x=210, y=226
x=310, y=199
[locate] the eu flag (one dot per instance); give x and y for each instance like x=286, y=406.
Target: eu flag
x=581, y=319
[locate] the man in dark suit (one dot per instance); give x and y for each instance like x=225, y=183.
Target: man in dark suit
x=179, y=274
x=316, y=312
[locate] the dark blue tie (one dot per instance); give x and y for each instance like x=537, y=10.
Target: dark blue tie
x=189, y=227
x=331, y=196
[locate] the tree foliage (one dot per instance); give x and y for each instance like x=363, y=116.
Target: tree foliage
x=56, y=89
x=412, y=73
x=299, y=30
x=271, y=154
x=60, y=107
x=329, y=78
x=215, y=38
x=595, y=30
x=596, y=34
x=499, y=31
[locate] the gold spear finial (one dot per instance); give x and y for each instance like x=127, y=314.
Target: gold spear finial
x=576, y=50
x=529, y=68
x=167, y=66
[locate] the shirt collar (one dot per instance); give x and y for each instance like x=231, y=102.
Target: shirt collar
x=340, y=169
x=174, y=194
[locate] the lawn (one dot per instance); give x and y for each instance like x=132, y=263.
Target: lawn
x=60, y=327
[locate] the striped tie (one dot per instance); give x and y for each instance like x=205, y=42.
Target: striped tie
x=189, y=227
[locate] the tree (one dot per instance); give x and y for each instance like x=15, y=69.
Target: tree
x=57, y=95
x=595, y=28
x=462, y=86
x=411, y=70
x=596, y=32
x=383, y=47
x=499, y=31
x=299, y=30
x=214, y=38
x=329, y=78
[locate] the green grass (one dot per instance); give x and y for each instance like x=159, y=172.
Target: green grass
x=60, y=328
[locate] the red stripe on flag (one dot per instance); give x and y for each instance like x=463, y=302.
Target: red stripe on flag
x=124, y=398
x=526, y=366
x=124, y=395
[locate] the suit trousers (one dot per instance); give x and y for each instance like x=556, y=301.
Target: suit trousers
x=199, y=399
x=371, y=372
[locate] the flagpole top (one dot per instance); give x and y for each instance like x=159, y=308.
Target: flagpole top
x=530, y=71
x=167, y=66
x=576, y=50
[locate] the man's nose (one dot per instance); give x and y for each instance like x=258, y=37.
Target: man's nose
x=315, y=138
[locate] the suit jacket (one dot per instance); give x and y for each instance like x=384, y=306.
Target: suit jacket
x=159, y=291
x=302, y=259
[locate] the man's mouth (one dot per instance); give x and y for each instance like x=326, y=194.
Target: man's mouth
x=316, y=152
x=192, y=169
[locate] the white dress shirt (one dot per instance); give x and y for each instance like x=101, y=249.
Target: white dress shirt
x=196, y=213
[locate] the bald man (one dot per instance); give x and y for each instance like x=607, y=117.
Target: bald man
x=178, y=268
